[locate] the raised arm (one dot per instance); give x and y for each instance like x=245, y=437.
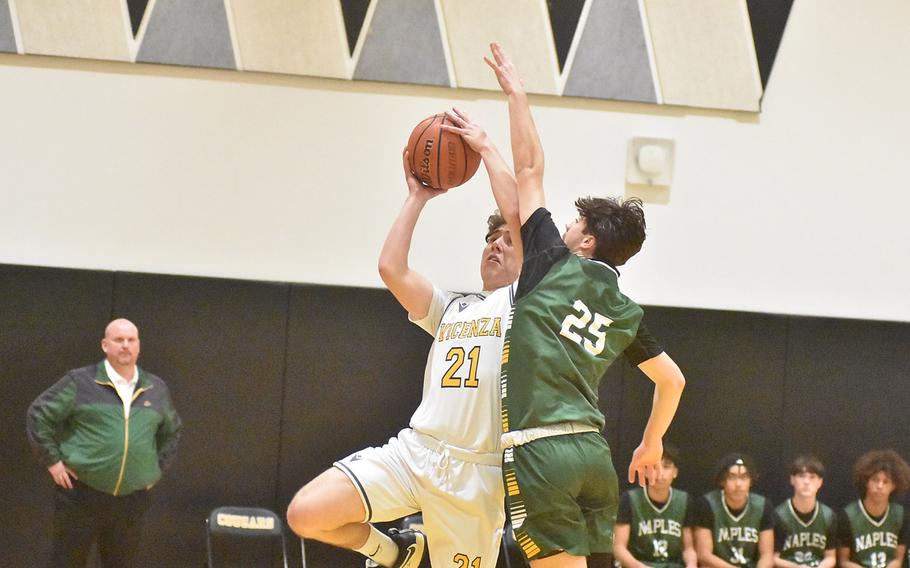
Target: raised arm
x=412, y=290
x=527, y=152
x=668, y=387
x=502, y=180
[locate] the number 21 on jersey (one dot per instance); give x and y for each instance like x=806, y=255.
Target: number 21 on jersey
x=580, y=320
x=457, y=356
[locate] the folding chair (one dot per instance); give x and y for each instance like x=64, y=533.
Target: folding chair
x=245, y=536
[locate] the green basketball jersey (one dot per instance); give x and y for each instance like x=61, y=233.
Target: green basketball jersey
x=655, y=534
x=565, y=332
x=874, y=542
x=805, y=542
x=736, y=538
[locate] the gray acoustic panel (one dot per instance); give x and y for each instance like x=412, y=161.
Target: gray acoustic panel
x=404, y=45
x=188, y=32
x=611, y=60
x=7, y=37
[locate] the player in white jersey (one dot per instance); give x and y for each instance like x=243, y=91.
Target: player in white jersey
x=448, y=463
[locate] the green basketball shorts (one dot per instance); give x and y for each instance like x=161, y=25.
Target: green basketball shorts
x=562, y=495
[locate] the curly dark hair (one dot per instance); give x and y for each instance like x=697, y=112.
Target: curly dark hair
x=617, y=226
x=671, y=454
x=494, y=222
x=887, y=461
x=728, y=461
x=807, y=463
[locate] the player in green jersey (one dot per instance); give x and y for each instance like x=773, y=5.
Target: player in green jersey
x=805, y=533
x=872, y=531
x=570, y=322
x=734, y=527
x=654, y=524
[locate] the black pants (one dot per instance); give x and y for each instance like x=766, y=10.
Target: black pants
x=83, y=515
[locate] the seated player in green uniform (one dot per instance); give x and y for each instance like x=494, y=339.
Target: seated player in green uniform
x=654, y=524
x=733, y=526
x=872, y=531
x=805, y=530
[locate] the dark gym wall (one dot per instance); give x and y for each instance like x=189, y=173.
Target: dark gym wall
x=354, y=376
x=220, y=346
x=49, y=321
x=275, y=381
x=734, y=366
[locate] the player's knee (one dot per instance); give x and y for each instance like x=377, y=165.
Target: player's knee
x=302, y=516
x=324, y=505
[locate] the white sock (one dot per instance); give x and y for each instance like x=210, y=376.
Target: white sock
x=379, y=547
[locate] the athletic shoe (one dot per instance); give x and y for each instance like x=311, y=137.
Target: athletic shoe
x=411, y=545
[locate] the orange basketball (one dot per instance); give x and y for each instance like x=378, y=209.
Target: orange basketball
x=440, y=159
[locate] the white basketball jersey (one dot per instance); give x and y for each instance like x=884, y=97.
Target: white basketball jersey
x=461, y=385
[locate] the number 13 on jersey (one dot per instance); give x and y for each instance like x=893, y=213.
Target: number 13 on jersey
x=579, y=321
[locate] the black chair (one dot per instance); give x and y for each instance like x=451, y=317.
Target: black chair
x=246, y=536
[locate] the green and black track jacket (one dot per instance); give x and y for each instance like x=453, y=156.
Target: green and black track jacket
x=80, y=420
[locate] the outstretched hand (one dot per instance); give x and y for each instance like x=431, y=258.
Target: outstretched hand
x=645, y=462
x=415, y=187
x=506, y=74
x=472, y=133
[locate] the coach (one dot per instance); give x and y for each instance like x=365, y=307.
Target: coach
x=105, y=432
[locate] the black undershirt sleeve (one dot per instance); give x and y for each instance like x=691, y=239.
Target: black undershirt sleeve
x=767, y=517
x=624, y=515
x=844, y=533
x=704, y=516
x=543, y=247
x=831, y=534
x=643, y=347
x=689, y=521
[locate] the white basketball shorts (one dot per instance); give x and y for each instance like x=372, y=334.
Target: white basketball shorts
x=460, y=494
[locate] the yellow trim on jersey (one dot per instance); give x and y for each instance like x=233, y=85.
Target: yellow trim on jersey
x=529, y=547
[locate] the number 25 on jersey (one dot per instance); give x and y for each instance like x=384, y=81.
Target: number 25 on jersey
x=579, y=321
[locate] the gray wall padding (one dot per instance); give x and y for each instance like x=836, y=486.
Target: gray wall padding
x=611, y=61
x=7, y=37
x=404, y=45
x=188, y=32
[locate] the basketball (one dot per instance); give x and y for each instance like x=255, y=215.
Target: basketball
x=440, y=159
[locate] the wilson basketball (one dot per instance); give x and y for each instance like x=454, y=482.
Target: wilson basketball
x=440, y=159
